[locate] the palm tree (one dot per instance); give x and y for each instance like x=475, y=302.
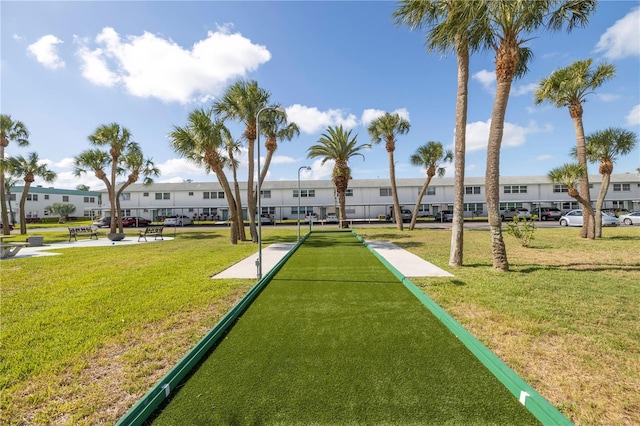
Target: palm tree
x=569, y=175
x=450, y=26
x=509, y=25
x=28, y=168
x=429, y=156
x=10, y=182
x=233, y=149
x=201, y=141
x=118, y=139
x=387, y=127
x=96, y=161
x=135, y=164
x=605, y=146
x=337, y=144
x=62, y=210
x=568, y=87
x=241, y=102
x=10, y=131
x=275, y=127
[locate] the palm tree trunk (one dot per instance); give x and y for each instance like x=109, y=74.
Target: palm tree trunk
x=265, y=166
x=112, y=195
x=3, y=199
x=397, y=213
x=606, y=179
x=457, y=225
x=492, y=175
x=343, y=213
x=423, y=190
x=23, y=216
x=234, y=215
x=588, y=224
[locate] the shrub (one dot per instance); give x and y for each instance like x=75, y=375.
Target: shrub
x=522, y=229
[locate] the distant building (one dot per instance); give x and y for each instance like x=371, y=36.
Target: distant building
x=366, y=198
x=87, y=203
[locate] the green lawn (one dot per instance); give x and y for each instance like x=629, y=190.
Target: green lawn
x=335, y=338
x=85, y=334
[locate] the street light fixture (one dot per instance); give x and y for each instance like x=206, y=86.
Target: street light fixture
x=259, y=213
x=299, y=170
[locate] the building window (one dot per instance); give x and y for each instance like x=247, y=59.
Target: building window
x=190, y=193
x=265, y=194
x=349, y=193
x=515, y=189
x=12, y=197
x=621, y=187
x=303, y=210
x=46, y=196
x=304, y=193
x=469, y=190
x=65, y=198
x=163, y=195
x=560, y=188
x=32, y=197
x=145, y=194
x=473, y=207
x=213, y=195
x=125, y=196
x=385, y=192
x=89, y=200
x=431, y=190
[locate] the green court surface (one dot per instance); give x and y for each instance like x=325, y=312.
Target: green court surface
x=336, y=339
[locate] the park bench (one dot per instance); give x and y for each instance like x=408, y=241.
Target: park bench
x=10, y=249
x=151, y=231
x=74, y=231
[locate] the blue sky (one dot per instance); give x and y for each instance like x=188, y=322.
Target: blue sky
x=68, y=67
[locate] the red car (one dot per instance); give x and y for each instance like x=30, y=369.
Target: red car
x=10, y=227
x=131, y=221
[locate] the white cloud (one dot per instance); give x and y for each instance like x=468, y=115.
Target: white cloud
x=311, y=120
x=17, y=37
x=607, y=97
x=178, y=167
x=282, y=159
x=622, y=39
x=633, y=118
x=543, y=157
x=368, y=115
x=46, y=52
x=152, y=66
x=514, y=135
x=524, y=89
x=319, y=171
x=486, y=78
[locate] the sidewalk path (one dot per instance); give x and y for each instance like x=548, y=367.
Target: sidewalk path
x=407, y=263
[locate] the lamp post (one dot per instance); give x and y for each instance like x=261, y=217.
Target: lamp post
x=259, y=213
x=299, y=170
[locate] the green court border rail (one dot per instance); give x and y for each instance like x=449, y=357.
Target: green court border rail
x=537, y=405
x=141, y=411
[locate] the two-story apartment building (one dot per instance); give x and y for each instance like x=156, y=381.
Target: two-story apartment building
x=366, y=198
x=87, y=203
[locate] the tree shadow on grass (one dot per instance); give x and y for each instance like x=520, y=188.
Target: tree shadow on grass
x=193, y=235
x=585, y=267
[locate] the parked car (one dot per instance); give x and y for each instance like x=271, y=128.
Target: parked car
x=632, y=218
x=549, y=213
x=2, y=226
x=135, y=221
x=509, y=214
x=574, y=218
x=267, y=219
x=444, y=216
x=331, y=218
x=311, y=217
x=103, y=222
x=180, y=220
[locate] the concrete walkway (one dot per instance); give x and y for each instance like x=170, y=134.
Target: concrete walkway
x=407, y=263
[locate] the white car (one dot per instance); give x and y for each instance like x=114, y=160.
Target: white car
x=632, y=218
x=331, y=218
x=311, y=217
x=574, y=218
x=179, y=220
x=267, y=219
x=509, y=214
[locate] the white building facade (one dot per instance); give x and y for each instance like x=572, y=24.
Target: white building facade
x=87, y=203
x=366, y=199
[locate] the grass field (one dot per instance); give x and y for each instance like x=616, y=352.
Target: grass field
x=87, y=333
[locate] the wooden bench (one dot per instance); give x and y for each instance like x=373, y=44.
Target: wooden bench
x=155, y=231
x=74, y=231
x=10, y=249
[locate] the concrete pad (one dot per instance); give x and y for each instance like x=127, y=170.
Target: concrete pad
x=100, y=242
x=247, y=268
x=407, y=263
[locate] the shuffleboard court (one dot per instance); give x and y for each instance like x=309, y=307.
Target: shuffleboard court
x=335, y=338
